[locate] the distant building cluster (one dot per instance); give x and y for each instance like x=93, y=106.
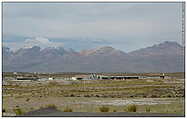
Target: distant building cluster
x=87, y=77
x=105, y=77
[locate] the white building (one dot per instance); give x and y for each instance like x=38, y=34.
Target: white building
x=74, y=78
x=50, y=78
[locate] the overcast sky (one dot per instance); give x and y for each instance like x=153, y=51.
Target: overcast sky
x=125, y=26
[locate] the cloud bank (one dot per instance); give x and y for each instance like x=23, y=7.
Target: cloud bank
x=126, y=26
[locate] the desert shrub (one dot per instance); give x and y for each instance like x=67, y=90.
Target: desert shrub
x=86, y=95
x=97, y=95
x=131, y=108
x=104, y=109
x=144, y=96
x=51, y=106
x=27, y=99
x=18, y=111
x=72, y=95
x=68, y=109
x=114, y=110
x=147, y=109
x=154, y=96
x=167, y=96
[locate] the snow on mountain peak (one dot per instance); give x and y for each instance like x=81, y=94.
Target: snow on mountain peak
x=41, y=42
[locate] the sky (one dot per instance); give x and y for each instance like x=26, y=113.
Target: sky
x=124, y=26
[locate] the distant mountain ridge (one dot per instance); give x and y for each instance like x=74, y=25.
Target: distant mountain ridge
x=164, y=57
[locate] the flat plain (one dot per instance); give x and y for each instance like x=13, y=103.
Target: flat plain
x=132, y=95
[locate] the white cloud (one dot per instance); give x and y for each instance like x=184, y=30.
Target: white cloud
x=38, y=41
x=29, y=43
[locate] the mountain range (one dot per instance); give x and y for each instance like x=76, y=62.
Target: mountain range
x=164, y=57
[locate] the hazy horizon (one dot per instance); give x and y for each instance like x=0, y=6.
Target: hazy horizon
x=86, y=49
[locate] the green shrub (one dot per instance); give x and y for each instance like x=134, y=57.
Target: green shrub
x=131, y=108
x=18, y=111
x=68, y=110
x=114, y=110
x=104, y=109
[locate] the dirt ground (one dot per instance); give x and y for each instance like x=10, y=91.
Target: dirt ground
x=149, y=95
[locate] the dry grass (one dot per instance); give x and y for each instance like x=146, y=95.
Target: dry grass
x=18, y=111
x=42, y=92
x=104, y=109
x=148, y=109
x=67, y=109
x=131, y=108
x=114, y=110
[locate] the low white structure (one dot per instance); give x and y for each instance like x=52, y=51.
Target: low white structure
x=45, y=79
x=50, y=78
x=15, y=73
x=42, y=79
x=81, y=77
x=74, y=78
